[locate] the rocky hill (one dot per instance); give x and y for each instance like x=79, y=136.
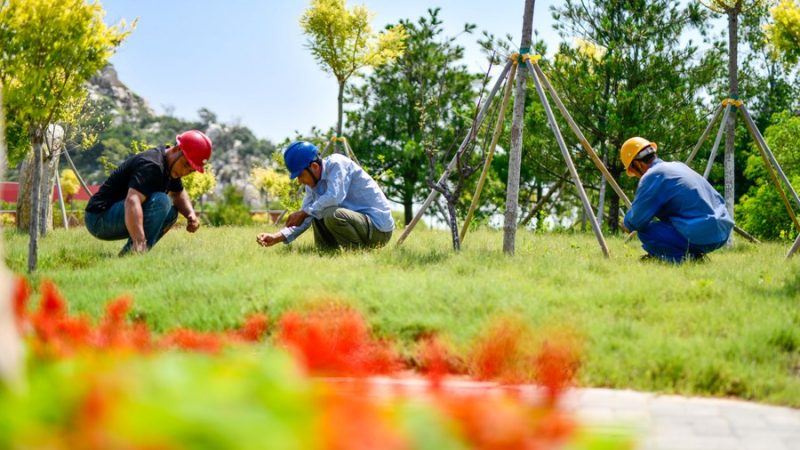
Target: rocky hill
x=124, y=122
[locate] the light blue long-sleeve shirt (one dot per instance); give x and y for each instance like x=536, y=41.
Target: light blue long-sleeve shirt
x=676, y=194
x=346, y=185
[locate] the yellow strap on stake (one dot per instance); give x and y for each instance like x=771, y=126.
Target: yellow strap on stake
x=514, y=58
x=534, y=59
x=732, y=101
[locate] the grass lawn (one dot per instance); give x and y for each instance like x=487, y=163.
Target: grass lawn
x=727, y=327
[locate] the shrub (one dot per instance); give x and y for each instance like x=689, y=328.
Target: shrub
x=231, y=210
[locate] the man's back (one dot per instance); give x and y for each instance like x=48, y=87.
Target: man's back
x=675, y=193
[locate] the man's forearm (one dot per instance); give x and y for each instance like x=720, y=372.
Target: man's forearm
x=183, y=204
x=134, y=220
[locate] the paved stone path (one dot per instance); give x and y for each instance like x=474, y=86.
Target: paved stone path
x=668, y=422
x=659, y=422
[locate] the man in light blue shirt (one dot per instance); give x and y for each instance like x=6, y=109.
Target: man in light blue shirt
x=692, y=218
x=343, y=204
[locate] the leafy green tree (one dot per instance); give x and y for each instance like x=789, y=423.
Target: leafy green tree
x=762, y=211
x=633, y=78
x=197, y=184
x=50, y=49
x=426, y=96
x=733, y=10
x=343, y=43
x=783, y=34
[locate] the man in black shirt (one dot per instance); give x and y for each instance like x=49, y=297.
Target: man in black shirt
x=141, y=199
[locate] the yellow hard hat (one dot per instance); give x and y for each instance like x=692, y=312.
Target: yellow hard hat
x=631, y=148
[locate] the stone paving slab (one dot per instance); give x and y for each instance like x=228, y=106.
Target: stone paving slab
x=666, y=422
x=660, y=422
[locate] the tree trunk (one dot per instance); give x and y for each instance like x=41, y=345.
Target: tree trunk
x=613, y=206
x=11, y=356
x=601, y=200
x=52, y=140
x=37, y=138
x=49, y=173
x=408, y=203
x=515, y=157
x=340, y=115
x=730, y=132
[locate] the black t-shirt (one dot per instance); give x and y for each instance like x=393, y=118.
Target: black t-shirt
x=147, y=172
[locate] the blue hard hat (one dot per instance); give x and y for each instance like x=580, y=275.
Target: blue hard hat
x=298, y=156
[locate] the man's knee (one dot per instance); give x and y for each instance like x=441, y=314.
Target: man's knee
x=335, y=217
x=158, y=202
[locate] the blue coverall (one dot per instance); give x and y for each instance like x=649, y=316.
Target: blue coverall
x=692, y=216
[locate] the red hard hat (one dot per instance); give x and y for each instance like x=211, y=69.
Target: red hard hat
x=196, y=148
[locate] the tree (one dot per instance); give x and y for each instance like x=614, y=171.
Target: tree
x=732, y=9
x=762, y=212
x=645, y=80
x=343, y=43
x=425, y=96
x=50, y=49
x=783, y=34
x=10, y=342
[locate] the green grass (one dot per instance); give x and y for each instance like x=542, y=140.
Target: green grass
x=727, y=327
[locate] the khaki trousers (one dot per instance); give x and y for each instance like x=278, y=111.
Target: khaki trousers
x=344, y=228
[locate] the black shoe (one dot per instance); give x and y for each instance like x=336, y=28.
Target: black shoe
x=698, y=258
x=649, y=258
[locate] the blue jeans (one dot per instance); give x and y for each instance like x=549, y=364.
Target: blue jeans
x=109, y=225
x=663, y=241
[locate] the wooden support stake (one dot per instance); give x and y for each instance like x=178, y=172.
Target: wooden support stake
x=61, y=201
x=498, y=130
x=771, y=163
x=717, y=140
x=706, y=132
x=467, y=139
x=584, y=142
x=568, y=159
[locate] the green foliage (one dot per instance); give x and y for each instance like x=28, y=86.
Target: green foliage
x=278, y=187
x=196, y=184
x=343, y=43
x=637, y=79
x=69, y=183
x=50, y=49
x=342, y=40
x=424, y=101
x=230, y=210
x=692, y=332
x=761, y=210
x=783, y=35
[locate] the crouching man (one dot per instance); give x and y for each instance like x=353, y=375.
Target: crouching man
x=141, y=199
x=343, y=204
x=692, y=218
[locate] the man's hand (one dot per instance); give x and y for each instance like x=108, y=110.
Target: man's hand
x=296, y=218
x=269, y=239
x=139, y=247
x=193, y=223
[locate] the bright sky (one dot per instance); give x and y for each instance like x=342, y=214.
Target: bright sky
x=246, y=60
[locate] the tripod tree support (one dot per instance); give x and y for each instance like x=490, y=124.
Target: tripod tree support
x=772, y=163
x=706, y=132
x=570, y=165
x=534, y=67
x=717, y=141
x=498, y=130
x=461, y=149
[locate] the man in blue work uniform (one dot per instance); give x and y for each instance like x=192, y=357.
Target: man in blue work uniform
x=343, y=204
x=692, y=218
